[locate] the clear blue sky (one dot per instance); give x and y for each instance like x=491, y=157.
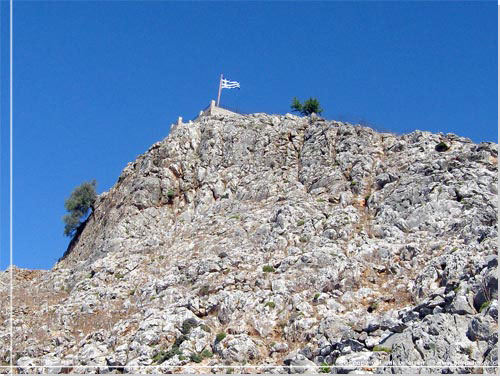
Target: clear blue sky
x=96, y=83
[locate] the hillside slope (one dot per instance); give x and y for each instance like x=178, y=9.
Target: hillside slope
x=278, y=241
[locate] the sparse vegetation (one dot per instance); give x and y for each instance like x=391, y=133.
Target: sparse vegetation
x=166, y=355
x=196, y=358
x=484, y=305
x=204, y=290
x=159, y=357
x=170, y=196
x=373, y=306
x=174, y=350
x=300, y=223
x=187, y=325
x=295, y=316
x=220, y=336
x=382, y=348
x=270, y=304
x=441, y=147
x=268, y=269
x=469, y=350
x=325, y=368
x=206, y=328
x=79, y=203
x=206, y=353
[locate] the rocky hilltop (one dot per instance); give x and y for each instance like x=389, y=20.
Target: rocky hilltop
x=275, y=244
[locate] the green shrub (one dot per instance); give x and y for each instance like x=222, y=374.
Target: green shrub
x=78, y=204
x=196, y=358
x=324, y=368
x=442, y=147
x=162, y=356
x=484, y=306
x=382, y=348
x=270, y=304
x=170, y=196
x=268, y=269
x=300, y=223
x=173, y=352
x=220, y=336
x=206, y=353
x=188, y=324
x=316, y=296
x=159, y=357
x=310, y=106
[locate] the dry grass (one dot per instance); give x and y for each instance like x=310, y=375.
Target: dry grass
x=385, y=283
x=103, y=319
x=37, y=307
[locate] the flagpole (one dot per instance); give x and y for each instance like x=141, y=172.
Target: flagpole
x=220, y=88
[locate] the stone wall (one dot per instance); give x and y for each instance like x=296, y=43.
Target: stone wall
x=214, y=110
x=211, y=110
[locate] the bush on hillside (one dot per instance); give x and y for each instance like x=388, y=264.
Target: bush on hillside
x=78, y=205
x=310, y=106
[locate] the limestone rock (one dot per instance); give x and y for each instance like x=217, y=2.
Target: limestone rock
x=275, y=241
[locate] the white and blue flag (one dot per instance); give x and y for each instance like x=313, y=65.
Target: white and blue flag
x=226, y=84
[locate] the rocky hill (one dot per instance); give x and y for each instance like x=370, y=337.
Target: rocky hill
x=275, y=244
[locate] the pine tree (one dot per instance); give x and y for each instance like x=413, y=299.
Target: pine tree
x=78, y=205
x=310, y=106
x=296, y=105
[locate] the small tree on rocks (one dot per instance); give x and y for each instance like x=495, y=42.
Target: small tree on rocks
x=310, y=106
x=78, y=205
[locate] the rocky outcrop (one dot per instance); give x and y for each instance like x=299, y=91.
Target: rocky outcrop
x=279, y=244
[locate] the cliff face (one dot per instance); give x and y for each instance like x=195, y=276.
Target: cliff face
x=280, y=241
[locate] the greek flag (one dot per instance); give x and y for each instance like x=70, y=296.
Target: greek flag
x=229, y=84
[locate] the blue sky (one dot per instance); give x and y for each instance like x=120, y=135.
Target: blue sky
x=96, y=83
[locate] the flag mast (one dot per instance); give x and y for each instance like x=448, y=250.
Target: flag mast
x=220, y=88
